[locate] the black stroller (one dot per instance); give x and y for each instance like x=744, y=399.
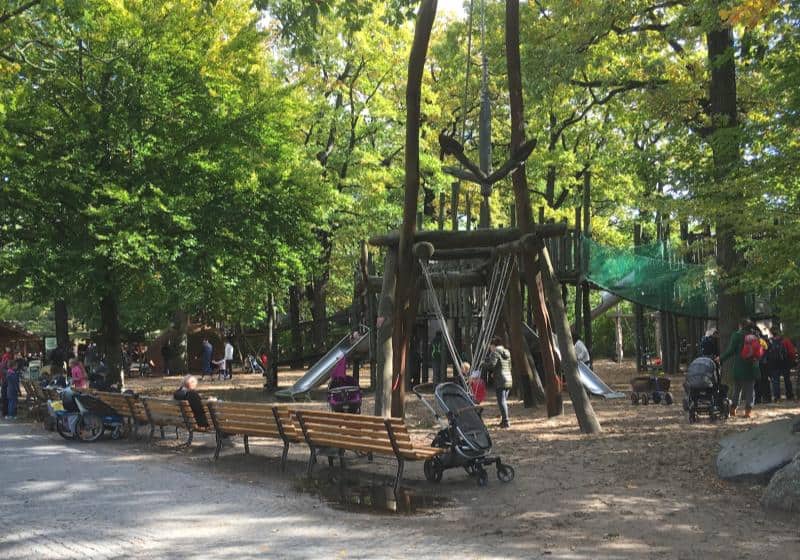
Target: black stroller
x=705, y=393
x=465, y=438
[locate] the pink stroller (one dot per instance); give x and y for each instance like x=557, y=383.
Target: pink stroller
x=344, y=394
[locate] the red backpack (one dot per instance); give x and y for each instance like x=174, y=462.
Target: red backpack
x=752, y=350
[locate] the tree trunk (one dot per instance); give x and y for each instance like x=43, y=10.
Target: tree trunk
x=403, y=311
x=179, y=363
x=110, y=332
x=319, y=309
x=294, y=325
x=725, y=148
x=587, y=420
x=383, y=381
x=270, y=334
x=62, y=323
x=524, y=211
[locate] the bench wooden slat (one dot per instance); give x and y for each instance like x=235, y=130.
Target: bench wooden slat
x=371, y=434
x=253, y=420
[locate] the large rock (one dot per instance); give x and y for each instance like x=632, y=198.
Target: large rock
x=760, y=451
x=783, y=492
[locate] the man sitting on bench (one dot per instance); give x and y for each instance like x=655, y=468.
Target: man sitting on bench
x=188, y=392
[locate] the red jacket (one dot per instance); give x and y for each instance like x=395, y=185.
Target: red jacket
x=791, y=351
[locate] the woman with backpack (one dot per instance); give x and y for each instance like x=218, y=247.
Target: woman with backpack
x=746, y=350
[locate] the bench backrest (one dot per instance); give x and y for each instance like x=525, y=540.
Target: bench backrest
x=353, y=431
x=117, y=401
x=136, y=408
x=165, y=412
x=252, y=419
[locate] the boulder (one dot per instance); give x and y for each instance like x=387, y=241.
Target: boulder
x=783, y=491
x=760, y=451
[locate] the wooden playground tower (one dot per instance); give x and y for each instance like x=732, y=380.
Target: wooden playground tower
x=396, y=313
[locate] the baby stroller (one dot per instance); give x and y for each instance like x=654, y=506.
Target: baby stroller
x=84, y=417
x=705, y=392
x=344, y=394
x=465, y=438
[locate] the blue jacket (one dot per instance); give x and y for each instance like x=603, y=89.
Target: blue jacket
x=12, y=379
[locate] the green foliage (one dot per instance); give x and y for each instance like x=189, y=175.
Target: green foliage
x=154, y=158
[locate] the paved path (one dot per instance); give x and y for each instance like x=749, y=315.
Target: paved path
x=116, y=500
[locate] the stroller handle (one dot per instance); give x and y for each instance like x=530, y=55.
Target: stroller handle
x=416, y=388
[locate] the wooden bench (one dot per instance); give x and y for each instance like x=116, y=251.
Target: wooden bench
x=253, y=420
x=163, y=413
x=360, y=433
x=34, y=400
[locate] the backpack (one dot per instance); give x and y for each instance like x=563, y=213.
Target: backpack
x=751, y=349
x=777, y=356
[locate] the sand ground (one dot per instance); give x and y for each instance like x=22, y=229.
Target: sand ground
x=644, y=488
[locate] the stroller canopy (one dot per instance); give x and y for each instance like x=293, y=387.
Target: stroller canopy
x=454, y=401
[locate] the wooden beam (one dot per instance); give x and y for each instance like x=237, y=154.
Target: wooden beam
x=470, y=239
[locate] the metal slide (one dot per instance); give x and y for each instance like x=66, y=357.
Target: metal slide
x=319, y=372
x=590, y=380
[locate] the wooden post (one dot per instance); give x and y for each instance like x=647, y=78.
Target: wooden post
x=372, y=312
x=579, y=273
x=618, y=343
x=524, y=211
x=384, y=323
x=588, y=338
x=468, y=205
x=441, y=210
x=455, y=190
x=523, y=374
x=404, y=318
x=587, y=419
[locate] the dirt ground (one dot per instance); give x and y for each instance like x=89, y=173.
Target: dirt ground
x=644, y=488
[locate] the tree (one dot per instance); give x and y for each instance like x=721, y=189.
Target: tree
x=155, y=167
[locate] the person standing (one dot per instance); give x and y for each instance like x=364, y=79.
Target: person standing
x=206, y=352
x=79, y=378
x=229, y=358
x=499, y=362
x=166, y=355
x=12, y=380
x=745, y=365
x=781, y=355
x=581, y=352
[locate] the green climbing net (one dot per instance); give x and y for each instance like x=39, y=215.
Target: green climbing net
x=654, y=276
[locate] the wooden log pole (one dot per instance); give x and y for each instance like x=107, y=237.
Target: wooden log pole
x=406, y=286
x=475, y=239
x=524, y=211
x=384, y=325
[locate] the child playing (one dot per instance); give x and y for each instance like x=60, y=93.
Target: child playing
x=222, y=372
x=12, y=392
x=476, y=385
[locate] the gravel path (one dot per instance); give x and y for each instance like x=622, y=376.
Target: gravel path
x=120, y=500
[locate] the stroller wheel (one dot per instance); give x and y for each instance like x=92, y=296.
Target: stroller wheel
x=668, y=399
x=634, y=398
x=692, y=413
x=62, y=427
x=483, y=477
x=645, y=399
x=90, y=427
x=433, y=470
x=686, y=404
x=505, y=473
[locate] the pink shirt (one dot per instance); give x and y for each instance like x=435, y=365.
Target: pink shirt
x=79, y=380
